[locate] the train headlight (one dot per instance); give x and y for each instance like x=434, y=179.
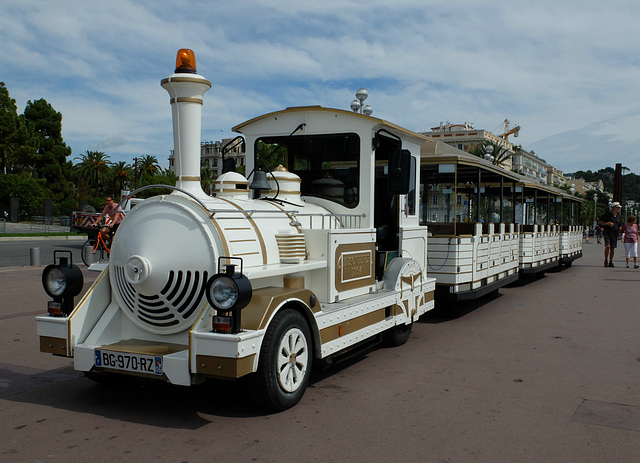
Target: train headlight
x=62, y=281
x=54, y=281
x=228, y=292
x=224, y=293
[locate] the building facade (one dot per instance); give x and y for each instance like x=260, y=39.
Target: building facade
x=531, y=166
x=466, y=137
x=211, y=156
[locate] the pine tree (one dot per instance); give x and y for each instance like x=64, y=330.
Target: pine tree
x=9, y=123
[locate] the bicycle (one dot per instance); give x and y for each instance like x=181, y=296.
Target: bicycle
x=93, y=250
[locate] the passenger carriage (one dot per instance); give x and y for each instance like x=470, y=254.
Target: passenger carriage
x=549, y=236
x=468, y=204
x=488, y=226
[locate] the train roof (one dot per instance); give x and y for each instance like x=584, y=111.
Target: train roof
x=529, y=183
x=437, y=152
x=373, y=121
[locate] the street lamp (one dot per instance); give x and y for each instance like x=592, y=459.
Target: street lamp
x=488, y=153
x=358, y=106
x=595, y=200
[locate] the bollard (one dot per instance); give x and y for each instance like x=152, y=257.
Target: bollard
x=34, y=257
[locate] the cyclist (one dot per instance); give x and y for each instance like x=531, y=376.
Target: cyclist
x=115, y=214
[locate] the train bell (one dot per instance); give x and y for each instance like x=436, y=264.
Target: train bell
x=259, y=181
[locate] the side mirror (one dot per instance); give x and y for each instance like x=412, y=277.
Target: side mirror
x=400, y=172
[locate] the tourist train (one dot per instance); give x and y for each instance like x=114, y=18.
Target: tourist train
x=346, y=230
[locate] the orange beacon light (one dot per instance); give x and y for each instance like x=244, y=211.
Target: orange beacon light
x=186, y=61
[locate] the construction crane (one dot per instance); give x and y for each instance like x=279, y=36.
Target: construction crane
x=514, y=131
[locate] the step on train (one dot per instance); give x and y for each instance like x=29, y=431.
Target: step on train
x=347, y=229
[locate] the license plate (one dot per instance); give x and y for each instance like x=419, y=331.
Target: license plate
x=138, y=363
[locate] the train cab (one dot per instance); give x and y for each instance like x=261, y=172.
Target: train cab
x=316, y=252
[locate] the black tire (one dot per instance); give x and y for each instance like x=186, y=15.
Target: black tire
x=397, y=336
x=89, y=256
x=285, y=362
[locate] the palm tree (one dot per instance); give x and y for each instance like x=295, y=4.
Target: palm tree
x=500, y=153
x=148, y=164
x=206, y=176
x=94, y=167
x=121, y=173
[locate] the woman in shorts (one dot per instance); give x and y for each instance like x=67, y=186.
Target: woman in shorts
x=629, y=235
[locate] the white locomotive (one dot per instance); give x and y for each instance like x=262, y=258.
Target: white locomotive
x=317, y=257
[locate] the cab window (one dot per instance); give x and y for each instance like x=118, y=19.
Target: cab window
x=328, y=165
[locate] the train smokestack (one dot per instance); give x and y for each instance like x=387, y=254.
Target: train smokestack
x=186, y=89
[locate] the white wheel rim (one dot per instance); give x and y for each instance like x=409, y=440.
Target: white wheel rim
x=292, y=361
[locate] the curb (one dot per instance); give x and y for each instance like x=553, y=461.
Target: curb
x=40, y=238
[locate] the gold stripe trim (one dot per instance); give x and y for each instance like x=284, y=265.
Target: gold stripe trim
x=139, y=346
x=297, y=227
x=186, y=99
x=75, y=309
x=265, y=301
x=263, y=247
x=284, y=180
x=284, y=192
x=188, y=178
x=193, y=80
x=224, y=367
x=221, y=234
x=55, y=346
x=332, y=333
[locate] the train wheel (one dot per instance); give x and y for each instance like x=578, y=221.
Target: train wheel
x=90, y=253
x=398, y=335
x=285, y=362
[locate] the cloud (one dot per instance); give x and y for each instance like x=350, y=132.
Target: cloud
x=566, y=72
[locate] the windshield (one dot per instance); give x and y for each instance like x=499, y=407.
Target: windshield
x=328, y=165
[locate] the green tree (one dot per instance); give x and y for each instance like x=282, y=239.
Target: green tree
x=9, y=123
x=148, y=165
x=30, y=191
x=51, y=151
x=162, y=177
x=95, y=168
x=500, y=153
x=121, y=173
x=21, y=157
x=206, y=177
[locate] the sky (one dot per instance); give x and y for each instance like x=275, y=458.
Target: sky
x=566, y=71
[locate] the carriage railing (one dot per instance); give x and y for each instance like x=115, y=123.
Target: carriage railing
x=333, y=221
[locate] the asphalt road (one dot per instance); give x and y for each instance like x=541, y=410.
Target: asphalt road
x=546, y=372
x=16, y=252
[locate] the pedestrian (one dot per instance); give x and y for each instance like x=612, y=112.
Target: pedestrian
x=599, y=233
x=630, y=232
x=610, y=222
